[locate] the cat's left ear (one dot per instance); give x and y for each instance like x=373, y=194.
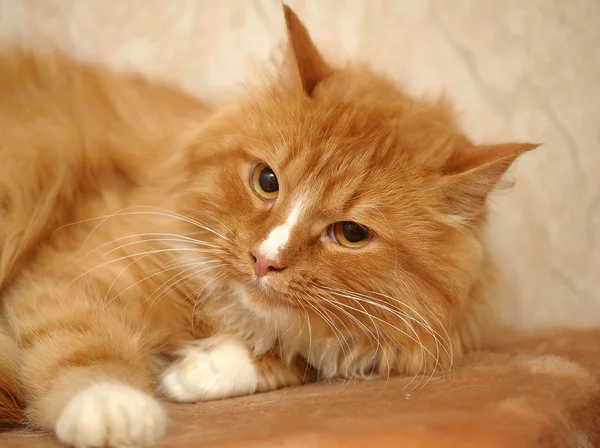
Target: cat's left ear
x=472, y=173
x=303, y=66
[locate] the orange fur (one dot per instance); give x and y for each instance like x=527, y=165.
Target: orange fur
x=127, y=223
x=10, y=406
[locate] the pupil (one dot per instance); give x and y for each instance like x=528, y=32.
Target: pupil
x=268, y=181
x=353, y=232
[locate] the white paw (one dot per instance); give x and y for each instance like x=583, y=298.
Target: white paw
x=111, y=415
x=209, y=369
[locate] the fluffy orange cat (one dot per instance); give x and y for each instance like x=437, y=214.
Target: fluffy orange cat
x=326, y=226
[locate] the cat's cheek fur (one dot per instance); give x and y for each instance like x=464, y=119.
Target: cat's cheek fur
x=111, y=415
x=211, y=369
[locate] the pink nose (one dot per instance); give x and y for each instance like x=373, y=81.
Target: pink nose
x=263, y=265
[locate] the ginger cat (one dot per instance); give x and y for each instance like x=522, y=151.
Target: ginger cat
x=325, y=226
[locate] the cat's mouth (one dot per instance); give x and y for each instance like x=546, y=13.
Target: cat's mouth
x=268, y=294
x=260, y=286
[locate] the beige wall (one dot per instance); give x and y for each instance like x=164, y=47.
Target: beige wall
x=516, y=69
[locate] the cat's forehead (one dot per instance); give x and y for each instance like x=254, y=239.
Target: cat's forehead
x=355, y=124
x=343, y=153
x=339, y=144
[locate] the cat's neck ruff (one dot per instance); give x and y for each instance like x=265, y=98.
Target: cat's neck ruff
x=289, y=333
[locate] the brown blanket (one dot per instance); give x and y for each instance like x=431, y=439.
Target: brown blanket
x=531, y=391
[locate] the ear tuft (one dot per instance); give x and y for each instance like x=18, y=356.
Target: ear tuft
x=480, y=156
x=471, y=174
x=303, y=66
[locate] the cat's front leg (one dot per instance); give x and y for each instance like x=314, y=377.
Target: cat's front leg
x=85, y=368
x=222, y=367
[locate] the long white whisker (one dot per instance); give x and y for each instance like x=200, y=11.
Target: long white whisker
x=397, y=312
x=136, y=235
x=124, y=212
x=383, y=321
x=423, y=348
x=177, y=240
x=150, y=252
x=336, y=331
x=179, y=266
x=365, y=329
x=174, y=282
x=307, y=322
x=447, y=348
x=198, y=294
x=349, y=356
x=395, y=328
x=422, y=322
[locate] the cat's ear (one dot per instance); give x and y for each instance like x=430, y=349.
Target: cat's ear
x=303, y=66
x=472, y=173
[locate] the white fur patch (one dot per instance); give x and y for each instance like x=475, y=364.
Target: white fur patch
x=210, y=369
x=111, y=415
x=279, y=236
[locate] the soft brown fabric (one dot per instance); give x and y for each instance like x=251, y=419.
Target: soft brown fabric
x=534, y=391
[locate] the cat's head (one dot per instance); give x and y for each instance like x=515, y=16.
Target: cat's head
x=346, y=202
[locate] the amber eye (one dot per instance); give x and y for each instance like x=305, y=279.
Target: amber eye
x=350, y=234
x=264, y=182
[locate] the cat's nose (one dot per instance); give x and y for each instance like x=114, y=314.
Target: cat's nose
x=263, y=265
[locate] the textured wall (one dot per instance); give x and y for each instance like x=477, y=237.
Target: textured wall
x=516, y=69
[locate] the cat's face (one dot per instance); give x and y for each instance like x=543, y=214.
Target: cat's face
x=352, y=205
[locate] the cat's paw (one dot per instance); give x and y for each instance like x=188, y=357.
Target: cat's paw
x=111, y=415
x=210, y=369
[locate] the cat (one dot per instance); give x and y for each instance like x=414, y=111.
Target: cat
x=324, y=226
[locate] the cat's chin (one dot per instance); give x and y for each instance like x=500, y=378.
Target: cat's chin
x=258, y=296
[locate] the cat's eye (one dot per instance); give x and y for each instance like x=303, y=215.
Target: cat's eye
x=264, y=182
x=350, y=234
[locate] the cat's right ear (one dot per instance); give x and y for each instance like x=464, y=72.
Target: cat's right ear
x=303, y=66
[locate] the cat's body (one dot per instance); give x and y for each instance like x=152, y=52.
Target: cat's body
x=130, y=227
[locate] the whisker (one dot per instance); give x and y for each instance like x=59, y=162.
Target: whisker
x=150, y=252
x=159, y=211
x=136, y=235
x=397, y=312
x=423, y=322
x=307, y=320
x=331, y=325
x=179, y=266
x=428, y=328
x=447, y=348
x=346, y=356
x=417, y=341
x=217, y=221
x=173, y=283
x=177, y=240
x=365, y=329
x=378, y=305
x=398, y=346
x=198, y=294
